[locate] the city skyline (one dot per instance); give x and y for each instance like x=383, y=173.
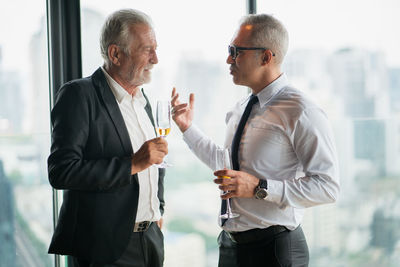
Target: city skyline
x=373, y=28
x=337, y=231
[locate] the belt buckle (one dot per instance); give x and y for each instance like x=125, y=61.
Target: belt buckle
x=141, y=226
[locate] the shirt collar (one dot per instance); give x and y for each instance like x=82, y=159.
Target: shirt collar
x=120, y=93
x=266, y=94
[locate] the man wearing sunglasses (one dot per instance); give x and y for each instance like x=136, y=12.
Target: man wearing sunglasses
x=282, y=150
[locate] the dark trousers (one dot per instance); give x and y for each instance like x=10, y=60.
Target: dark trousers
x=145, y=249
x=285, y=248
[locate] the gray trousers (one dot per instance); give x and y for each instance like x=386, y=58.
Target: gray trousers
x=287, y=248
x=145, y=249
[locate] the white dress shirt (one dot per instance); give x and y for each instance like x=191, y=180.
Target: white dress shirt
x=140, y=130
x=288, y=142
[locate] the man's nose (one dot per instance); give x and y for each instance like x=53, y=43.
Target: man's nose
x=230, y=60
x=154, y=58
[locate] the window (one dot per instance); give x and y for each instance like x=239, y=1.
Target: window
x=345, y=55
x=26, y=222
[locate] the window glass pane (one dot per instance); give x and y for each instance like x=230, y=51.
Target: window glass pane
x=193, y=37
x=345, y=55
x=25, y=195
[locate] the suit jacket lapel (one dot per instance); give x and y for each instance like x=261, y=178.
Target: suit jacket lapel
x=100, y=83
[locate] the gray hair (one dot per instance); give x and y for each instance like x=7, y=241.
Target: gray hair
x=268, y=32
x=116, y=30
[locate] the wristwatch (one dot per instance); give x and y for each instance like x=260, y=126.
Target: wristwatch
x=261, y=190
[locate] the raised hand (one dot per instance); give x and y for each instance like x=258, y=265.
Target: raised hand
x=151, y=152
x=182, y=113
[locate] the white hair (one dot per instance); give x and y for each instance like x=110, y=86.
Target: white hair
x=116, y=30
x=268, y=32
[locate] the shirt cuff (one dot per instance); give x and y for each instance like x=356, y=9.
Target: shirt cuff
x=275, y=191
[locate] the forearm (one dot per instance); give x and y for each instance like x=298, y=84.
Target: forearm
x=67, y=171
x=202, y=146
x=303, y=192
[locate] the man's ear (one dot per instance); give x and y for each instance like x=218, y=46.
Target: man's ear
x=267, y=57
x=114, y=54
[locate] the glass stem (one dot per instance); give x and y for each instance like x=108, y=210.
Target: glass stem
x=228, y=207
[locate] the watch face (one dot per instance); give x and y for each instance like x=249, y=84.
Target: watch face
x=261, y=193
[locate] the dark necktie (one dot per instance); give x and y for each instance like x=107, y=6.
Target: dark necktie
x=236, y=142
x=239, y=131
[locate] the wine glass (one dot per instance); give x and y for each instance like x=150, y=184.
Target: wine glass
x=223, y=161
x=163, y=121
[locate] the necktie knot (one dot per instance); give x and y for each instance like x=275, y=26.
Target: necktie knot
x=252, y=101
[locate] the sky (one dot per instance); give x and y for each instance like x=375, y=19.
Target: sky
x=370, y=24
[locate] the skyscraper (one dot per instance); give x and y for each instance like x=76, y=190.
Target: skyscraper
x=360, y=78
x=394, y=91
x=11, y=118
x=7, y=241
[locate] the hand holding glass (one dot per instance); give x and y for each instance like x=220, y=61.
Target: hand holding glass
x=223, y=161
x=163, y=121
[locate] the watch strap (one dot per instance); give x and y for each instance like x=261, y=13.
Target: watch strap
x=263, y=184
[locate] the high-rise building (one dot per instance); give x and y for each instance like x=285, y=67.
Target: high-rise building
x=11, y=102
x=394, y=91
x=321, y=227
x=360, y=78
x=39, y=116
x=7, y=241
x=392, y=146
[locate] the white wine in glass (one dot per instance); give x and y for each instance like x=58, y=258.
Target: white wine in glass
x=163, y=121
x=163, y=132
x=223, y=161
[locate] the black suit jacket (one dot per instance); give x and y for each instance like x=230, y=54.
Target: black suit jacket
x=91, y=160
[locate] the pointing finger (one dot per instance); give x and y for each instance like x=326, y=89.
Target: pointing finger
x=191, y=101
x=174, y=100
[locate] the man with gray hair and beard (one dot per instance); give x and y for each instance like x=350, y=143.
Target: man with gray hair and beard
x=103, y=154
x=282, y=150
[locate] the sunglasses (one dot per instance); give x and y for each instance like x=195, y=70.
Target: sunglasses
x=234, y=50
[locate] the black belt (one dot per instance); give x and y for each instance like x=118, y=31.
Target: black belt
x=254, y=235
x=141, y=226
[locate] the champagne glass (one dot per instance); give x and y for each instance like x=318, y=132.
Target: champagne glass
x=223, y=161
x=163, y=121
